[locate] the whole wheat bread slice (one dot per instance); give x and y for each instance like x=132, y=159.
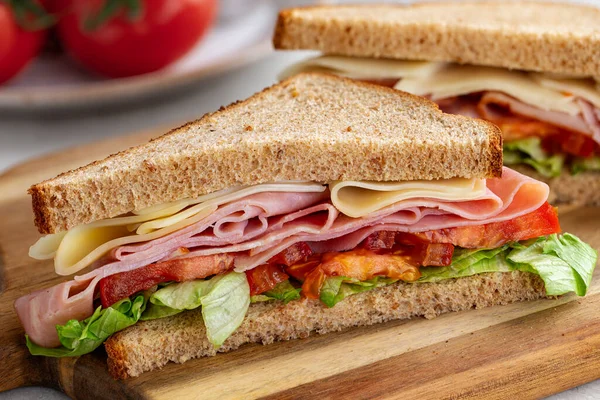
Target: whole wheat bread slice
x=152, y=344
x=310, y=127
x=538, y=36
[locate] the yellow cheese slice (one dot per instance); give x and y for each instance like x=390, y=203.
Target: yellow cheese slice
x=364, y=68
x=79, y=247
x=357, y=199
x=45, y=248
x=585, y=88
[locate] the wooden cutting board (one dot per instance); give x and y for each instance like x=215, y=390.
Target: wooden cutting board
x=526, y=350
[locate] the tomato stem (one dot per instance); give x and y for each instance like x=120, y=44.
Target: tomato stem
x=30, y=15
x=111, y=8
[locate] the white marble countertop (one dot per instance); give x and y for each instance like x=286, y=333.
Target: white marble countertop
x=23, y=136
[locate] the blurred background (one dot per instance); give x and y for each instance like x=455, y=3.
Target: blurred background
x=113, y=67
x=105, y=69
x=61, y=86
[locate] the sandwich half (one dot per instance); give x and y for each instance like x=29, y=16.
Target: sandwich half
x=532, y=68
x=318, y=204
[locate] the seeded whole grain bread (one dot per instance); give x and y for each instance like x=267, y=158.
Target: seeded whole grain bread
x=537, y=36
x=152, y=344
x=312, y=126
x=581, y=189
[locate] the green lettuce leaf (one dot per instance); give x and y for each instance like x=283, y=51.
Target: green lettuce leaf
x=337, y=288
x=529, y=151
x=585, y=164
x=564, y=263
x=224, y=306
x=156, y=311
x=467, y=262
x=224, y=300
x=283, y=291
x=82, y=337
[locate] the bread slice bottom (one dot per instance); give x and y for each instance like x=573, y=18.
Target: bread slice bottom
x=150, y=345
x=581, y=189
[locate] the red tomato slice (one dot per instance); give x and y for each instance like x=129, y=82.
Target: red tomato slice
x=541, y=222
x=264, y=278
x=301, y=270
x=311, y=287
x=361, y=264
x=119, y=286
x=554, y=139
x=517, y=128
x=364, y=264
x=573, y=143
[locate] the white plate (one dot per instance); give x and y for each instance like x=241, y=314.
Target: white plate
x=54, y=81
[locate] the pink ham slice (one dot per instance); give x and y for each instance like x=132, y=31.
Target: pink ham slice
x=591, y=116
x=461, y=105
x=508, y=197
x=270, y=227
x=494, y=105
x=563, y=120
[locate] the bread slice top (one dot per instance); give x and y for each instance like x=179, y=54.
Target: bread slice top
x=313, y=127
x=546, y=37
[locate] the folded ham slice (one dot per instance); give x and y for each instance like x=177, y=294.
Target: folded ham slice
x=495, y=106
x=591, y=116
x=265, y=224
x=574, y=123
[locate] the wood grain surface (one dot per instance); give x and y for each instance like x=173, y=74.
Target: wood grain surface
x=525, y=350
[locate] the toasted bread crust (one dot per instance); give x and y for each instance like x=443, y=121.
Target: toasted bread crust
x=152, y=344
x=537, y=36
x=310, y=127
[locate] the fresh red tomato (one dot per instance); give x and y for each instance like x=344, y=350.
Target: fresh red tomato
x=541, y=222
x=554, y=138
x=17, y=45
x=7, y=30
x=573, y=143
x=133, y=41
x=119, y=286
x=361, y=264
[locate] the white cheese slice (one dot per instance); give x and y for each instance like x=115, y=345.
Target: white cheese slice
x=457, y=80
x=79, y=247
x=441, y=80
x=357, y=199
x=585, y=88
x=45, y=248
x=364, y=68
